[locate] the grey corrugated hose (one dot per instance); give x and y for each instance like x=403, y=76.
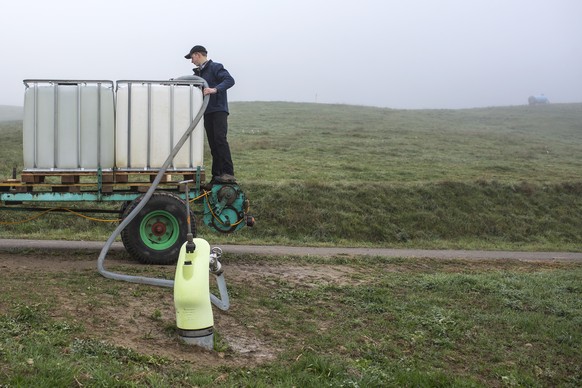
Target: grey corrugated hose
x=222, y=304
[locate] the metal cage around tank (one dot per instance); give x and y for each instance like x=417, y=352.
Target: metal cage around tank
x=86, y=125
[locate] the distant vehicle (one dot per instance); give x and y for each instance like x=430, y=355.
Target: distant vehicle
x=538, y=100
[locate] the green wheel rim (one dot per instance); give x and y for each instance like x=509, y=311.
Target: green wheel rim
x=159, y=230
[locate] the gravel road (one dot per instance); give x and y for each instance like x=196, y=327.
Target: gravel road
x=6, y=244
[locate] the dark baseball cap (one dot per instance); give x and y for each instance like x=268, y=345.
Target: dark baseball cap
x=196, y=49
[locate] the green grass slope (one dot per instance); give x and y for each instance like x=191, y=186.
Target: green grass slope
x=316, y=174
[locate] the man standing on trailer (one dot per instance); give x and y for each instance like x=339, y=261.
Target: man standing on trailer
x=216, y=114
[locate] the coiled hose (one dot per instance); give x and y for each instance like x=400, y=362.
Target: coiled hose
x=222, y=304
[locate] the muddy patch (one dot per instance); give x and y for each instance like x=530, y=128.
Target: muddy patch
x=142, y=317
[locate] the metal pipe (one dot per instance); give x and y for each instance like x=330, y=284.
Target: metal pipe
x=56, y=126
x=99, y=125
x=191, y=142
x=35, y=125
x=172, y=120
x=63, y=81
x=79, y=108
x=129, y=125
x=149, y=139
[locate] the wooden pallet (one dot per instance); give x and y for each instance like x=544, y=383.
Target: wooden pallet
x=74, y=182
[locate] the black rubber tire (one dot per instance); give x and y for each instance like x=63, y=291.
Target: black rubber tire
x=173, y=223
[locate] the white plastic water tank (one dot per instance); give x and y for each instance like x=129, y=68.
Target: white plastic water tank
x=151, y=117
x=68, y=125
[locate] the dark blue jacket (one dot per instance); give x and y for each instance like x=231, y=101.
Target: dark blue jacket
x=217, y=77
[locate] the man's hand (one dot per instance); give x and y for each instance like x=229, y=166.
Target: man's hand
x=210, y=91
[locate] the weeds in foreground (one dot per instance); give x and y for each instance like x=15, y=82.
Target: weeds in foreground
x=373, y=322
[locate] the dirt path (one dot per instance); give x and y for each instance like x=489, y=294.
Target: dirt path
x=310, y=251
x=137, y=316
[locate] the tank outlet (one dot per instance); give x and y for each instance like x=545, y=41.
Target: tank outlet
x=250, y=220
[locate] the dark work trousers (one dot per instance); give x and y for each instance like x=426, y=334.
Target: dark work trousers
x=216, y=126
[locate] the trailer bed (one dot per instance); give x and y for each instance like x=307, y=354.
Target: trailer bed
x=57, y=186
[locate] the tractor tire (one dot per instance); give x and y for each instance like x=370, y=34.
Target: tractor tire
x=159, y=230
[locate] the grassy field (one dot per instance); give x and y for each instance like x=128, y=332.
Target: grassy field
x=495, y=178
x=337, y=175
x=296, y=322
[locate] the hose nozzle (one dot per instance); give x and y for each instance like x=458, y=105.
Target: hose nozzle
x=215, y=266
x=190, y=246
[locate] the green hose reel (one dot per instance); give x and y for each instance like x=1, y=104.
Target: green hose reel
x=226, y=208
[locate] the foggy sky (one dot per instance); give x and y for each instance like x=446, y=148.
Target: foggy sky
x=399, y=54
